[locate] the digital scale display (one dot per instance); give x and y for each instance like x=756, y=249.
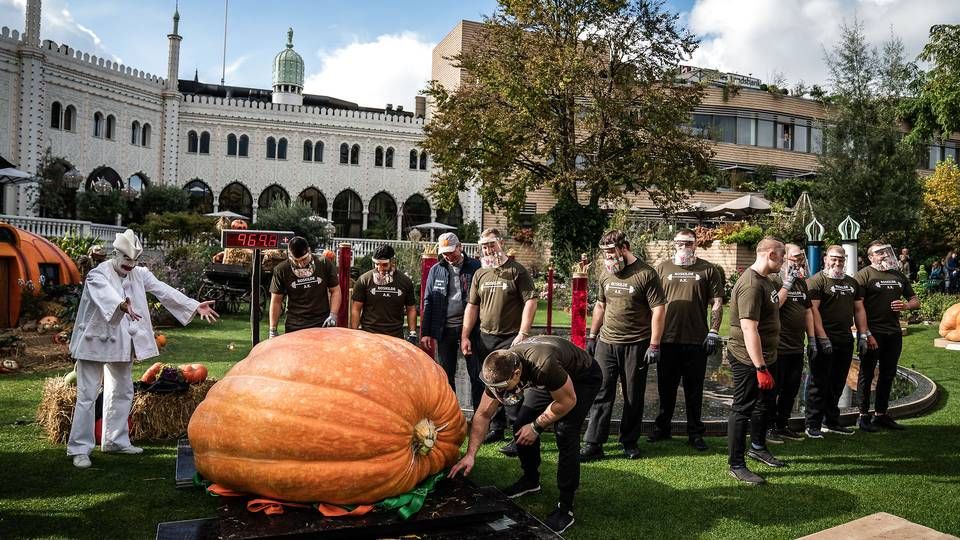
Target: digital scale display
x=250, y=239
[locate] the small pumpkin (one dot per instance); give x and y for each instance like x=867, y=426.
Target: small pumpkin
x=238, y=224
x=332, y=415
x=151, y=374
x=161, y=341
x=49, y=321
x=194, y=373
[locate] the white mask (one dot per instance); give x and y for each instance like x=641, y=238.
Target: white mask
x=685, y=255
x=302, y=267
x=613, y=263
x=127, y=250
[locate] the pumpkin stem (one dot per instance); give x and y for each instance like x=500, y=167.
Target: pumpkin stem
x=424, y=437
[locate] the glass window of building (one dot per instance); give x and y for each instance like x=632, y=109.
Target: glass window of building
x=950, y=152
x=700, y=125
x=816, y=140
x=784, y=136
x=765, y=133
x=801, y=138
x=725, y=129
x=934, y=156
x=747, y=131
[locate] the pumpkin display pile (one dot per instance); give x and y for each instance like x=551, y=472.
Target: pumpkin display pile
x=189, y=373
x=950, y=323
x=328, y=415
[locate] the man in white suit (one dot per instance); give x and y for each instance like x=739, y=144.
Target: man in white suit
x=112, y=329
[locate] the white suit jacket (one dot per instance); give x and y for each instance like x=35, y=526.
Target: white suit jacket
x=104, y=333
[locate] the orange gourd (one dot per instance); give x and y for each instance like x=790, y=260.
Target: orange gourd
x=151, y=374
x=238, y=224
x=193, y=373
x=328, y=415
x=161, y=341
x=950, y=323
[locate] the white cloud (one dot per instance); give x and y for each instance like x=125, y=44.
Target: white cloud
x=391, y=69
x=789, y=36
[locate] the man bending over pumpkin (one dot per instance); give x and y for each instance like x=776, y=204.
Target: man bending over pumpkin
x=552, y=382
x=113, y=328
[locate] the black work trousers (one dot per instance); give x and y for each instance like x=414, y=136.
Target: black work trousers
x=567, y=430
x=689, y=363
x=787, y=374
x=750, y=406
x=623, y=363
x=828, y=375
x=481, y=349
x=886, y=357
x=448, y=354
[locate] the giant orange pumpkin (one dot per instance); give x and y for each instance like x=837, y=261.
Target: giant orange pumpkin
x=950, y=323
x=328, y=415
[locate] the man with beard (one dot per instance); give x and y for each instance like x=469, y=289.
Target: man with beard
x=836, y=302
x=690, y=285
x=380, y=298
x=884, y=288
x=311, y=287
x=631, y=309
x=502, y=297
x=751, y=351
x=796, y=319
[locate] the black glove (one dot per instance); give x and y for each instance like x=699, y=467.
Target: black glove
x=825, y=345
x=412, y=338
x=592, y=346
x=652, y=356
x=811, y=350
x=711, y=342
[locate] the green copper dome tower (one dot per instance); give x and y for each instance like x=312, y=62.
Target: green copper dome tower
x=288, y=75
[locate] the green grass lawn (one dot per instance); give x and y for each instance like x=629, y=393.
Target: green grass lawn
x=671, y=492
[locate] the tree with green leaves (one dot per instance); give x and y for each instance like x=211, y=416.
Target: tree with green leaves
x=940, y=215
x=935, y=109
x=576, y=96
x=298, y=217
x=868, y=169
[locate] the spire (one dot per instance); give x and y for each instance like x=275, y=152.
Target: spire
x=290, y=38
x=196, y=76
x=176, y=18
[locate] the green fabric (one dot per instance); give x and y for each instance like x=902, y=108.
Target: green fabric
x=409, y=503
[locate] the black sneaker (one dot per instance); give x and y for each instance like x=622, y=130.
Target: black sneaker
x=494, y=435
x=560, y=519
x=773, y=437
x=764, y=456
x=591, y=452
x=813, y=432
x=884, y=421
x=698, y=443
x=787, y=433
x=839, y=430
x=631, y=451
x=510, y=449
x=656, y=436
x=521, y=487
x=746, y=476
x=864, y=424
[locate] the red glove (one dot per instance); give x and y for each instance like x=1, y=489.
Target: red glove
x=764, y=379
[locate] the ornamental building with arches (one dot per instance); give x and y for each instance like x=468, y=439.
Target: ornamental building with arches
x=231, y=148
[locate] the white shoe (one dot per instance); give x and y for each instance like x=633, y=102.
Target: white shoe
x=81, y=461
x=114, y=449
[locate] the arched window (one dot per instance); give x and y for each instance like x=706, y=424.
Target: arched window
x=271, y=148
x=69, y=118
x=348, y=214
x=103, y=174
x=415, y=211
x=282, y=149
x=97, y=124
x=317, y=202
x=355, y=154
x=244, y=146
x=236, y=198
x=138, y=182
x=378, y=157
x=381, y=217
x=56, y=115
x=231, y=145
x=413, y=159
x=318, y=152
x=135, y=133
x=452, y=217
x=307, y=151
x=204, y=143
x=201, y=196
x=145, y=135
x=273, y=196
x=344, y=153
x=111, y=125
x=423, y=161
x=389, y=159
x=192, y=142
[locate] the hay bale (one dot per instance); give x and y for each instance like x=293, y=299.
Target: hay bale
x=154, y=417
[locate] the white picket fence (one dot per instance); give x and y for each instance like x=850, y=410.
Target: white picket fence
x=53, y=228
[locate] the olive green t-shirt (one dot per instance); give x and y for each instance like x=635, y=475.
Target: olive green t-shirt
x=308, y=304
x=689, y=291
x=754, y=297
x=548, y=360
x=793, y=316
x=879, y=289
x=384, y=306
x=501, y=293
x=628, y=297
x=837, y=297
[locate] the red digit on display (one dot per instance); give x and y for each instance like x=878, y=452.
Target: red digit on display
x=251, y=240
x=241, y=238
x=273, y=240
x=263, y=239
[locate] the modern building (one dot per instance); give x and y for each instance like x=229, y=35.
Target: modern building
x=231, y=148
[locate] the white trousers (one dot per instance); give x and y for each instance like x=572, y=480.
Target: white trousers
x=117, y=400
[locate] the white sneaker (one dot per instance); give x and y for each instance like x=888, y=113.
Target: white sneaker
x=114, y=449
x=81, y=461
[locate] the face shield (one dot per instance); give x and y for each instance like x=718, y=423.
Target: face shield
x=382, y=272
x=302, y=266
x=884, y=259
x=834, y=265
x=491, y=252
x=685, y=250
x=613, y=261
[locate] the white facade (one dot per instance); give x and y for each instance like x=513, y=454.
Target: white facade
x=40, y=80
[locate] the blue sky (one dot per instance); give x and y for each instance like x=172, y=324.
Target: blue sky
x=378, y=51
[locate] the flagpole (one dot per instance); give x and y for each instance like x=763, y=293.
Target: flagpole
x=223, y=72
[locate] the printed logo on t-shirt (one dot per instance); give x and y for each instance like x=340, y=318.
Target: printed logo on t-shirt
x=796, y=296
x=842, y=290
x=494, y=285
x=386, y=290
x=306, y=282
x=683, y=277
x=618, y=288
x=888, y=284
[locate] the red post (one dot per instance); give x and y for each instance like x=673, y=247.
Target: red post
x=578, y=304
x=427, y=260
x=550, y=301
x=344, y=260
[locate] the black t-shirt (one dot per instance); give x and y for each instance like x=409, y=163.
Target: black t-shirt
x=548, y=360
x=837, y=299
x=384, y=306
x=308, y=304
x=879, y=289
